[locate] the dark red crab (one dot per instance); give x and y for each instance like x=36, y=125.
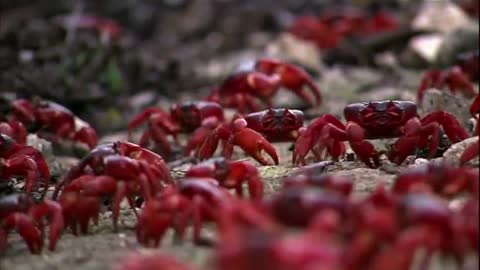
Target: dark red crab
x=276, y=125
x=375, y=120
x=237, y=133
x=442, y=179
x=120, y=170
x=193, y=199
x=231, y=175
x=243, y=90
x=297, y=206
x=20, y=160
x=457, y=78
x=330, y=29
x=137, y=157
x=54, y=119
x=19, y=212
x=199, y=118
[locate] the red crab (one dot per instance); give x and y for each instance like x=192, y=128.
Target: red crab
x=276, y=125
x=297, y=206
x=199, y=199
x=441, y=179
x=340, y=184
x=15, y=130
x=19, y=212
x=25, y=161
x=132, y=160
x=472, y=151
x=260, y=245
x=54, y=118
x=425, y=221
x=231, y=175
x=237, y=133
x=119, y=170
x=137, y=261
x=199, y=118
x=374, y=120
x=242, y=90
x=329, y=29
x=372, y=224
x=456, y=78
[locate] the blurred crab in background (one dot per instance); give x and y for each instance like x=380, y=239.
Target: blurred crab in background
x=196, y=118
x=456, y=78
x=243, y=90
x=331, y=28
x=48, y=119
x=19, y=212
x=231, y=175
x=26, y=161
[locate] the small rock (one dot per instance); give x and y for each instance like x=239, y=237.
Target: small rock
x=42, y=145
x=420, y=162
x=427, y=46
x=435, y=100
x=452, y=155
x=440, y=16
x=292, y=49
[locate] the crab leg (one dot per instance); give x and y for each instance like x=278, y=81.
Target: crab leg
x=458, y=80
x=88, y=136
x=365, y=151
x=201, y=134
x=54, y=211
x=24, y=225
x=253, y=143
x=310, y=136
x=207, y=150
x=415, y=134
x=450, y=124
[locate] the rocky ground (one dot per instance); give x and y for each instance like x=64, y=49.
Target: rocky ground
x=190, y=66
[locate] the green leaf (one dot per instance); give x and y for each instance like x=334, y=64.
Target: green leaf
x=114, y=77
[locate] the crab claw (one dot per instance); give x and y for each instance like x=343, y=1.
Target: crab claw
x=88, y=136
x=292, y=77
x=252, y=142
x=303, y=145
x=364, y=149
